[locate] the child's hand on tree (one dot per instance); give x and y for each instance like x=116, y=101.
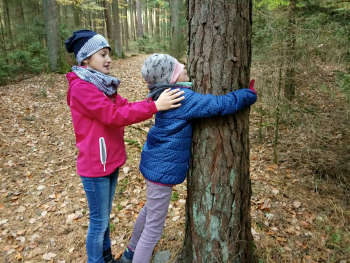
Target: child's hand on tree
x=169, y=99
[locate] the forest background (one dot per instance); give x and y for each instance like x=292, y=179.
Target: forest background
x=301, y=61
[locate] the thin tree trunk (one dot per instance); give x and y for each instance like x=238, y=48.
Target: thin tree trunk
x=50, y=15
x=118, y=48
x=132, y=20
x=7, y=21
x=151, y=20
x=76, y=16
x=174, y=28
x=3, y=45
x=146, y=18
x=126, y=28
x=164, y=25
x=218, y=225
x=108, y=19
x=139, y=19
x=289, y=89
x=135, y=18
x=157, y=25
x=20, y=27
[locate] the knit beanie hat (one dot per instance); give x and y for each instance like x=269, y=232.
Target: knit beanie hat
x=84, y=43
x=161, y=69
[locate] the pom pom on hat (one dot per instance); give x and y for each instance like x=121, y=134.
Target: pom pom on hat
x=85, y=43
x=161, y=69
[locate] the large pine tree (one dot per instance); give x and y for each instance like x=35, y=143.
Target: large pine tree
x=218, y=225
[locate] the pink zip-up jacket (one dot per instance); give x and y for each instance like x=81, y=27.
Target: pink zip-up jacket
x=97, y=116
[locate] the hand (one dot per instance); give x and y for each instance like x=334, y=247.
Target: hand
x=169, y=99
x=251, y=86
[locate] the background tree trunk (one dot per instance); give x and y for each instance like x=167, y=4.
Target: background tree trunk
x=118, y=48
x=177, y=39
x=289, y=89
x=108, y=19
x=151, y=23
x=139, y=19
x=50, y=15
x=126, y=27
x=132, y=20
x=146, y=18
x=157, y=25
x=7, y=22
x=76, y=15
x=218, y=225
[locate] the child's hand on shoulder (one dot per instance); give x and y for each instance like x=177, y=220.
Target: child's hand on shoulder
x=169, y=99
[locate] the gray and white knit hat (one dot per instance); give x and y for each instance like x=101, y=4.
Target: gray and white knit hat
x=161, y=69
x=85, y=43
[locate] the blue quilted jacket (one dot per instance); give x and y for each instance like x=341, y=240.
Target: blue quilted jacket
x=166, y=154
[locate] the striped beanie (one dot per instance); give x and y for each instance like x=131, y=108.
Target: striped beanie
x=85, y=43
x=161, y=69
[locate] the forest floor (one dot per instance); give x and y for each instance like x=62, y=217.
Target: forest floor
x=300, y=208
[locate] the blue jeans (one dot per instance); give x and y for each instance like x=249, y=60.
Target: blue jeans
x=100, y=193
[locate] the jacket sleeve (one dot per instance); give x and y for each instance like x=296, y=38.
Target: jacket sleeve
x=94, y=104
x=198, y=105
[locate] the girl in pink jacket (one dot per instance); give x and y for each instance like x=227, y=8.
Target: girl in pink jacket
x=99, y=116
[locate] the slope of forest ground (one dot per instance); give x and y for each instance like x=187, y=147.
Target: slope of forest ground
x=300, y=209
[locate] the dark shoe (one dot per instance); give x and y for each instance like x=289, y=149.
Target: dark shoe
x=127, y=256
x=108, y=257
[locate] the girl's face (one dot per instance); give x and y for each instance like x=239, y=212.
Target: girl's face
x=100, y=61
x=183, y=77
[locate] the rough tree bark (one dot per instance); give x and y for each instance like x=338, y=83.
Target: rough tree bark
x=218, y=224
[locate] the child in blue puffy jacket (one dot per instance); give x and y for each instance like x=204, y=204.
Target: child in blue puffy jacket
x=166, y=154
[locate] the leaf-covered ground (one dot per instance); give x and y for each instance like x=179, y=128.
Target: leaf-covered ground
x=299, y=213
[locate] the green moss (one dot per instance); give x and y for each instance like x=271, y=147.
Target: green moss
x=215, y=226
x=199, y=221
x=232, y=177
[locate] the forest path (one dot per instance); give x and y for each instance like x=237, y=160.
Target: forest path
x=43, y=210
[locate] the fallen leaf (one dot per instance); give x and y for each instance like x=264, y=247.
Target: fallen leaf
x=296, y=204
x=49, y=256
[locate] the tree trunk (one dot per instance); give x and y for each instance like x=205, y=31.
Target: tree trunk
x=7, y=21
x=146, y=18
x=76, y=16
x=289, y=89
x=118, y=48
x=139, y=19
x=50, y=15
x=3, y=45
x=218, y=224
x=108, y=19
x=151, y=23
x=126, y=28
x=164, y=26
x=135, y=18
x=177, y=42
x=132, y=20
x=157, y=25
x=20, y=25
